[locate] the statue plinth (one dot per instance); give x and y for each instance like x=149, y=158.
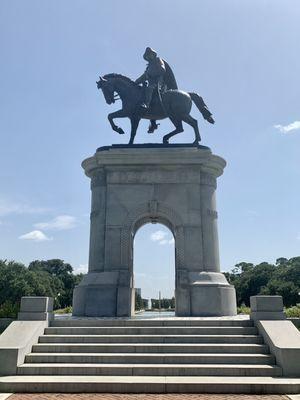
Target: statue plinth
x=174, y=185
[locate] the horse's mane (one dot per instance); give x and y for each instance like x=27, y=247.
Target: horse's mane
x=123, y=77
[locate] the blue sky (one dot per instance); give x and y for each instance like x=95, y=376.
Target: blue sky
x=243, y=57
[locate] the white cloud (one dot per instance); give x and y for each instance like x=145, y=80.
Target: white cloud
x=8, y=207
x=288, y=128
x=59, y=223
x=36, y=236
x=82, y=269
x=161, y=237
x=158, y=236
x=298, y=237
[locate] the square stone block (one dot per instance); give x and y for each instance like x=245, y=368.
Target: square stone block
x=36, y=304
x=266, y=303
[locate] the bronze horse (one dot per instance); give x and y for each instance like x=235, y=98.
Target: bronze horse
x=173, y=104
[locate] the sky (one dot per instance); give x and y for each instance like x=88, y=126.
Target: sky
x=243, y=57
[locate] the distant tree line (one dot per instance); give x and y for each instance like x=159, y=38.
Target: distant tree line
x=163, y=303
x=53, y=278
x=142, y=304
x=56, y=278
x=281, y=278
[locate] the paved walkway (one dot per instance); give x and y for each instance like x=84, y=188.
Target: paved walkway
x=103, y=396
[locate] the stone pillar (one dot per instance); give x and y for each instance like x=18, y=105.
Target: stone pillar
x=90, y=296
x=209, y=215
x=106, y=289
x=209, y=292
x=97, y=228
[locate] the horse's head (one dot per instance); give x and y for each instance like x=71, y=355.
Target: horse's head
x=107, y=88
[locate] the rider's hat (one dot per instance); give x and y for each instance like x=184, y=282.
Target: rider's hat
x=149, y=52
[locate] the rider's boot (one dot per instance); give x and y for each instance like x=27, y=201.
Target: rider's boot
x=153, y=125
x=148, y=98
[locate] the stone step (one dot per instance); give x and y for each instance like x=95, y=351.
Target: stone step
x=148, y=384
x=149, y=348
x=151, y=339
x=179, y=330
x=101, y=322
x=149, y=358
x=150, y=369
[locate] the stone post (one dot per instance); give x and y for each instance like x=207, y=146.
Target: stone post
x=266, y=308
x=36, y=308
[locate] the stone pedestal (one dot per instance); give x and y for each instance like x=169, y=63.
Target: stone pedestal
x=174, y=185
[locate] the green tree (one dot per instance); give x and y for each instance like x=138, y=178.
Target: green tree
x=52, y=278
x=17, y=281
x=281, y=278
x=62, y=274
x=138, y=302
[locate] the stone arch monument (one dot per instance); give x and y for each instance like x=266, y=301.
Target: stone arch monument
x=174, y=185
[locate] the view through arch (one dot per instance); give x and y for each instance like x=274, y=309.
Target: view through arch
x=154, y=267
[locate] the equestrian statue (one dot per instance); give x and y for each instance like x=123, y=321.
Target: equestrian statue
x=153, y=96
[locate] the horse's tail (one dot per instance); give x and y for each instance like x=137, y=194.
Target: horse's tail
x=202, y=107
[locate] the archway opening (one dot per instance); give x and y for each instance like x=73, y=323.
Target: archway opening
x=154, y=270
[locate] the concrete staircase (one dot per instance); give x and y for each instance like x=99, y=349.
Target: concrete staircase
x=170, y=355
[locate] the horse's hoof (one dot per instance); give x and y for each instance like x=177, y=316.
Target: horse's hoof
x=196, y=142
x=120, y=131
x=165, y=141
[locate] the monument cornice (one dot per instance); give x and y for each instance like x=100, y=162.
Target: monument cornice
x=156, y=155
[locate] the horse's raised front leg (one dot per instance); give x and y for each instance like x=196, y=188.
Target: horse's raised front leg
x=194, y=123
x=134, y=125
x=117, y=114
x=179, y=129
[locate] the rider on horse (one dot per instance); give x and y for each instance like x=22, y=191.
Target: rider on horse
x=170, y=102
x=159, y=75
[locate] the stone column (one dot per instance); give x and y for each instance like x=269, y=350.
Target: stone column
x=209, y=216
x=210, y=293
x=97, y=228
x=97, y=292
